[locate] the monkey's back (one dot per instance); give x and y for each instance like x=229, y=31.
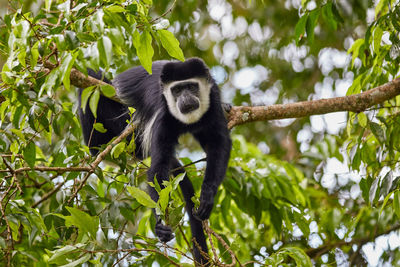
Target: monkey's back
x=141, y=90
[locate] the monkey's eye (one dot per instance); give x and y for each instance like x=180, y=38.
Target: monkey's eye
x=193, y=88
x=176, y=90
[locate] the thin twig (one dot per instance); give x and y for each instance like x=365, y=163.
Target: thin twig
x=14, y=175
x=9, y=240
x=224, y=244
x=128, y=131
x=209, y=234
x=312, y=253
x=52, y=169
x=48, y=195
x=130, y=251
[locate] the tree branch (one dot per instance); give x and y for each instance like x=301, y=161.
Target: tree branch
x=80, y=80
x=243, y=114
x=128, y=131
x=356, y=103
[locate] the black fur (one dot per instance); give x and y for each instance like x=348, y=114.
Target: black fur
x=144, y=92
x=177, y=71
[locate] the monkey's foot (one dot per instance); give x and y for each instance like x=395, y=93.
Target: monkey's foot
x=163, y=232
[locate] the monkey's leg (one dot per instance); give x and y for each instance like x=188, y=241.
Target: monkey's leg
x=195, y=225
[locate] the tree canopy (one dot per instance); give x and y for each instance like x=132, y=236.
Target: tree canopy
x=301, y=189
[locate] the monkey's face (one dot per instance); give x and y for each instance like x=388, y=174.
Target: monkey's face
x=187, y=100
x=186, y=96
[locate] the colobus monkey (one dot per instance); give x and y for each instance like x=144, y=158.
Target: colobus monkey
x=178, y=98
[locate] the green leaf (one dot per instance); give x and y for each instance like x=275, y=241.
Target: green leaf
x=301, y=223
x=47, y=4
x=86, y=223
x=16, y=116
x=171, y=44
x=94, y=101
x=177, y=180
x=62, y=251
x=385, y=202
x=30, y=154
x=355, y=49
x=116, y=36
x=132, y=145
x=144, y=49
x=373, y=189
x=21, y=57
x=118, y=149
x=50, y=84
x=66, y=66
x=276, y=219
x=336, y=13
x=327, y=11
x=365, y=186
x=34, y=54
x=378, y=132
x=175, y=215
x=362, y=119
x=107, y=90
x=311, y=23
x=71, y=40
x=378, y=32
x=195, y=201
x=115, y=9
x=396, y=203
x=104, y=46
x=79, y=261
x=164, y=198
x=299, y=256
x=141, y=196
x=380, y=7
x=386, y=184
x=99, y=127
x=300, y=28
x=86, y=93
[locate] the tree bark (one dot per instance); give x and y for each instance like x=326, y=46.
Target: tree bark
x=356, y=103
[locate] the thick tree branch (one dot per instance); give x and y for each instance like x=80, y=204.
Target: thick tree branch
x=80, y=80
x=356, y=103
x=242, y=114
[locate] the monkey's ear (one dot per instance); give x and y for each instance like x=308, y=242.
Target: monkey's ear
x=178, y=71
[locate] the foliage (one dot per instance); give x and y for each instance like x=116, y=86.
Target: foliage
x=273, y=208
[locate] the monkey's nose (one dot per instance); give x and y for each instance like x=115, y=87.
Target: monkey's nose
x=188, y=106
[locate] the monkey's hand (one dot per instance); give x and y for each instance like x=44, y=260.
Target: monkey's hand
x=163, y=232
x=206, y=204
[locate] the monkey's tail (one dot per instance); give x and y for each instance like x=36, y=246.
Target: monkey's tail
x=111, y=114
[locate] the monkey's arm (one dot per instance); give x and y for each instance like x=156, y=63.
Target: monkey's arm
x=161, y=152
x=218, y=147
